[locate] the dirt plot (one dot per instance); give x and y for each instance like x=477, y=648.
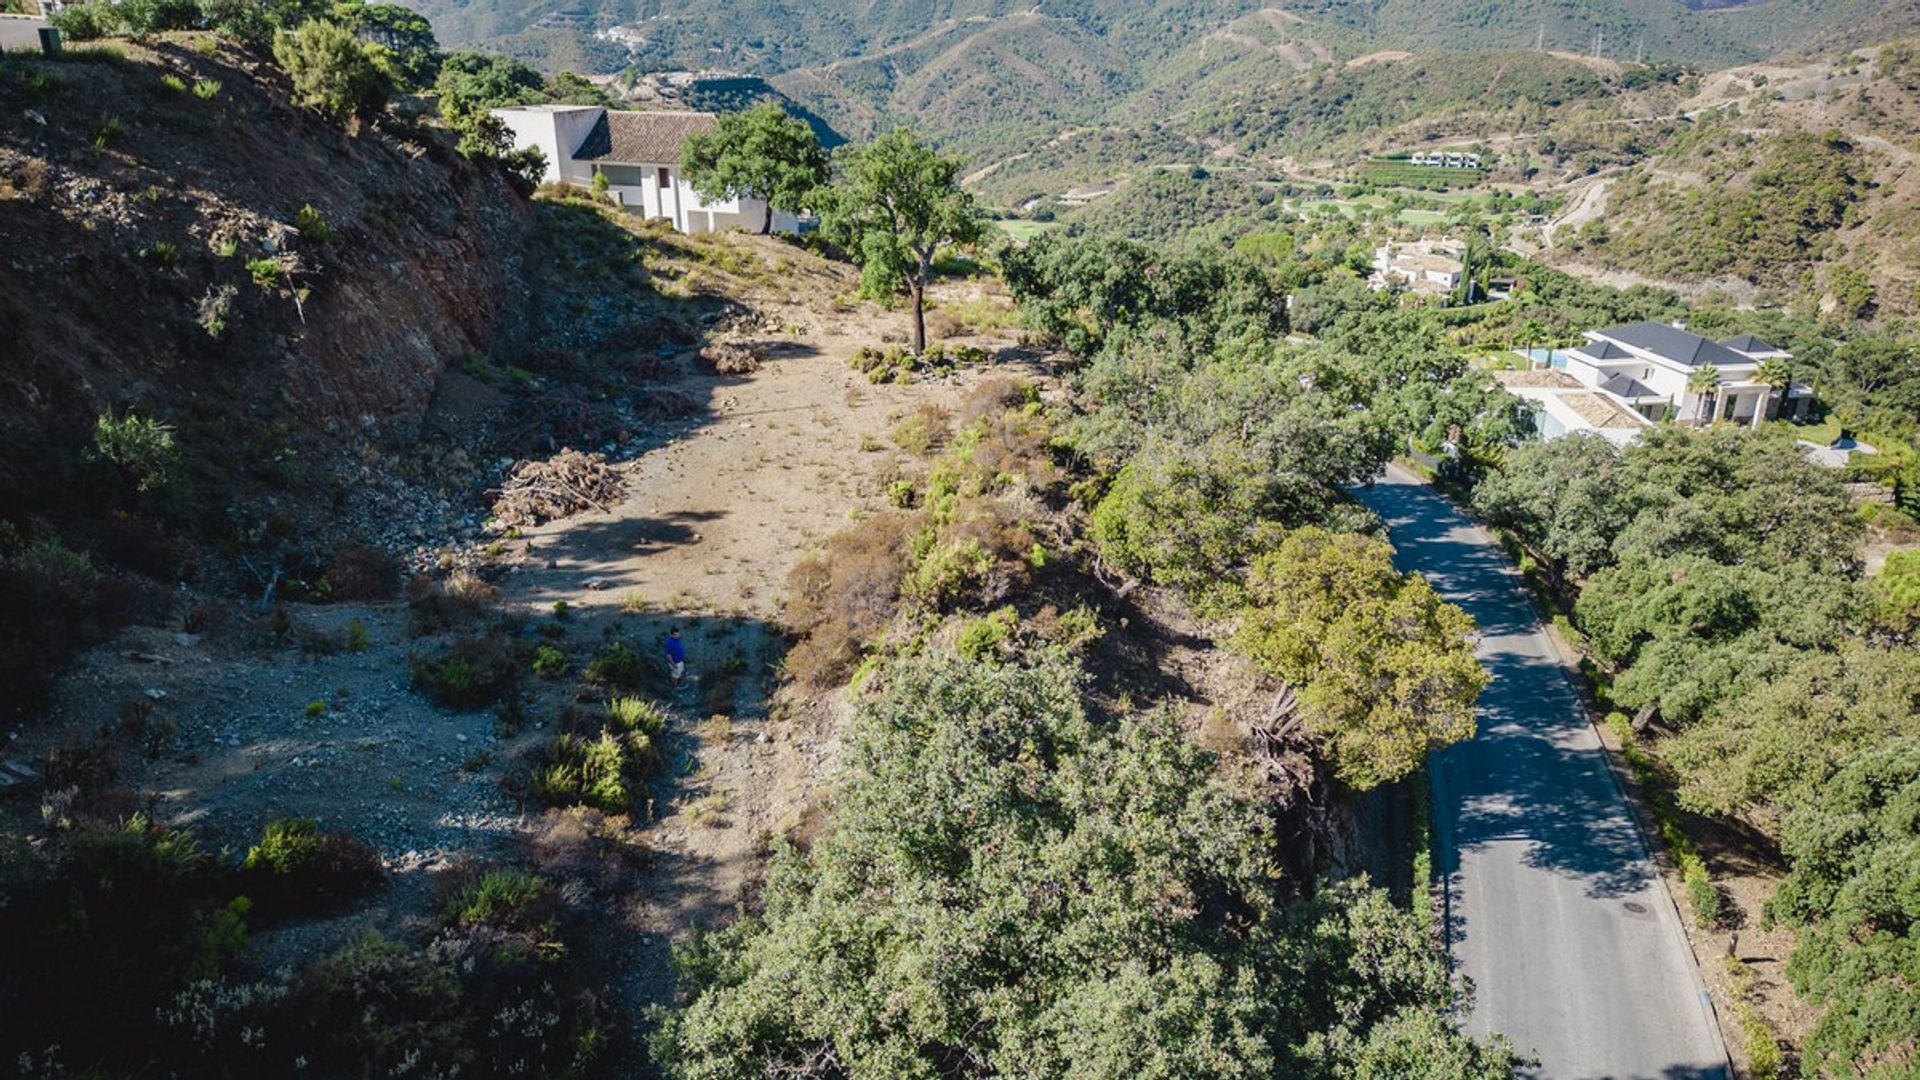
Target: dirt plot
x=311, y=711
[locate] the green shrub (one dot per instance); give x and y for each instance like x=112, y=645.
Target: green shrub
x=311, y=227
x=470, y=675
x=296, y=869
x=1702, y=896
x=111, y=128
x=549, y=662
x=637, y=714
x=84, y=22
x=140, y=446
x=266, y=272
x=161, y=253
x=173, y=84
x=315, y=708
x=333, y=72
x=286, y=847
x=357, y=636
x=206, y=89
x=1073, y=630
x=1763, y=1048
x=948, y=572
x=617, y=666
x=983, y=638
x=596, y=772
x=503, y=899
x=141, y=19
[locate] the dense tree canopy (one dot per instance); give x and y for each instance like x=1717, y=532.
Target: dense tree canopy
x=1013, y=887
x=402, y=38
x=761, y=152
x=1385, y=668
x=1854, y=896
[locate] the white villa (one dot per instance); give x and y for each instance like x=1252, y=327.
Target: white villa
x=639, y=153
x=1626, y=377
x=1431, y=267
x=1445, y=159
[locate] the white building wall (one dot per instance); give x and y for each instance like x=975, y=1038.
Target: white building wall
x=556, y=130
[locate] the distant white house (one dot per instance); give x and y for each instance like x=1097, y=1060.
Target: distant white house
x=1625, y=377
x=1432, y=267
x=639, y=154
x=1443, y=159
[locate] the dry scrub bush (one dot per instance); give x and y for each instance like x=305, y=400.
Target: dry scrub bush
x=473, y=673
x=582, y=844
x=840, y=599
x=357, y=572
x=925, y=431
x=731, y=358
x=433, y=606
x=994, y=395
x=945, y=324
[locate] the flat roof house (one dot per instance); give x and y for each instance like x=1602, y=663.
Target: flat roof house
x=639, y=154
x=1648, y=369
x=1429, y=267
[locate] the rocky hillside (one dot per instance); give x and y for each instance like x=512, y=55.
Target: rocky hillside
x=181, y=241
x=254, y=353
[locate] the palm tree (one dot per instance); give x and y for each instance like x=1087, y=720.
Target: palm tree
x=1701, y=384
x=1777, y=374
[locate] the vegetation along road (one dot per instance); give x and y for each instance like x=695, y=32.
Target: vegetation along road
x=1554, y=909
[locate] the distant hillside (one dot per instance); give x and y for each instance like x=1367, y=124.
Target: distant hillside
x=1797, y=180
x=772, y=36
x=982, y=87
x=1620, y=29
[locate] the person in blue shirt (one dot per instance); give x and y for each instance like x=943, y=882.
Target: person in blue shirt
x=676, y=656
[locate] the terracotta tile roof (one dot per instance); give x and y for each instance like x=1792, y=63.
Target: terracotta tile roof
x=641, y=138
x=1601, y=411
x=1542, y=380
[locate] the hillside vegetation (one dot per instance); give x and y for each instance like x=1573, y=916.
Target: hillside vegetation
x=1789, y=187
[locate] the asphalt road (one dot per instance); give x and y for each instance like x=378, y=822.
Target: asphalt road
x=1554, y=911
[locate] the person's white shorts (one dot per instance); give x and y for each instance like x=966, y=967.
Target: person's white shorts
x=679, y=668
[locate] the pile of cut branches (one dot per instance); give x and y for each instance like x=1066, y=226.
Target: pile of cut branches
x=731, y=357
x=566, y=483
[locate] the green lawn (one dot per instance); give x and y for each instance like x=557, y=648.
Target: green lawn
x=1021, y=231
x=1827, y=430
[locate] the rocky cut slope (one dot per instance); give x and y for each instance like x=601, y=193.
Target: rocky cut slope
x=180, y=240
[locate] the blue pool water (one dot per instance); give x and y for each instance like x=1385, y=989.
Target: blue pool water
x=1552, y=357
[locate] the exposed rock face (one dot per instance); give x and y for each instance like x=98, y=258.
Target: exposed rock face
x=154, y=254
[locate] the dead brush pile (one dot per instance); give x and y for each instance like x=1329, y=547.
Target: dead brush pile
x=564, y=484
x=731, y=357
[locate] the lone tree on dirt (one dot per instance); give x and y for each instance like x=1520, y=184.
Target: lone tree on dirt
x=760, y=152
x=897, y=202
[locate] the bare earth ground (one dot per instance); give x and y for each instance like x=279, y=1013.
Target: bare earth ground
x=247, y=726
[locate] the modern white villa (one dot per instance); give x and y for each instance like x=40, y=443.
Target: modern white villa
x=1624, y=378
x=1427, y=267
x=639, y=154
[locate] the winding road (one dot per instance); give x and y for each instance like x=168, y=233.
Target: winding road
x=1553, y=908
